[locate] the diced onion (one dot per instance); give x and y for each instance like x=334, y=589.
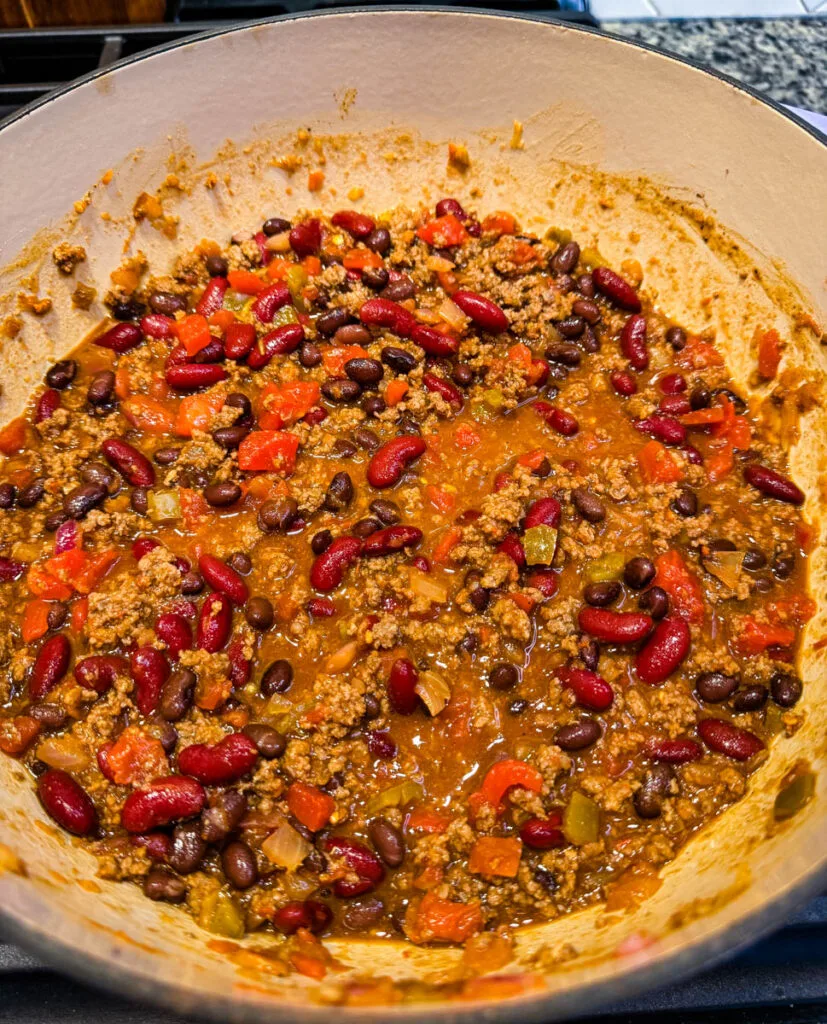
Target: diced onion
x=396, y=796
x=425, y=587
x=285, y=847
x=540, y=544
x=64, y=752
x=581, y=820
x=343, y=658
x=434, y=692
x=163, y=505
x=726, y=565
x=278, y=243
x=439, y=263
x=452, y=314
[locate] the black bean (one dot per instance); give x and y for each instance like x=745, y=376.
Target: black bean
x=648, y=799
x=714, y=687
x=8, y=493
x=329, y=323
x=269, y=741
x=166, y=733
x=783, y=565
x=176, y=695
x=339, y=493
x=590, y=507
x=80, y=501
x=375, y=277
x=166, y=456
x=601, y=594
x=321, y=541
x=367, y=372
x=763, y=584
x=222, y=494
x=217, y=266
x=223, y=816
x=50, y=716
x=366, y=439
x=102, y=388
x=365, y=527
x=373, y=405
x=239, y=865
x=754, y=558
x=310, y=355
x=278, y=514
x=578, y=736
x=588, y=310
x=188, y=849
x=277, y=678
x=639, y=572
x=563, y=353
x=700, y=397
x=61, y=375
x=128, y=309
x=676, y=337
x=504, y=676
x=589, y=341
x=275, y=226
x=387, y=511
x=721, y=544
x=237, y=400
x=58, y=613
x=469, y=643
x=241, y=562
x=785, y=689
x=398, y=359
x=363, y=914
x=517, y=707
x=388, y=841
x=230, y=438
x=585, y=285
x=398, y=291
x=31, y=494
x=542, y=469
x=341, y=390
x=462, y=375
x=53, y=520
x=571, y=327
x=590, y=654
x=352, y=334
x=751, y=698
x=192, y=583
x=738, y=402
x=379, y=240
x=162, y=885
x=565, y=259
x=100, y=473
x=139, y=501
x=167, y=303
x=654, y=601
x=259, y=613
x=685, y=503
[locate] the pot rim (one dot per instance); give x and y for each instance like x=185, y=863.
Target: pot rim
x=111, y=973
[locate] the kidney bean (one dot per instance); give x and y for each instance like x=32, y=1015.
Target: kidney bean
x=8, y=494
x=590, y=690
x=239, y=340
x=401, y=687
x=648, y=799
x=725, y=738
x=10, y=570
x=157, y=325
x=269, y=301
x=485, y=313
x=381, y=745
x=543, y=833
x=388, y=841
x=191, y=376
x=357, y=224
x=543, y=512
x=673, y=751
x=360, y=860
x=512, y=546
x=392, y=539
x=156, y=844
x=438, y=385
x=614, y=627
x=387, y=464
x=384, y=313
x=305, y=238
x=674, y=405
x=222, y=578
x=224, y=762
x=664, y=651
x=212, y=298
x=672, y=383
x=714, y=687
x=120, y=338
x=51, y=717
x=773, y=484
x=544, y=580
x=600, y=595
x=328, y=569
x=786, y=689
x=66, y=802
x=98, y=672
x=133, y=465
x=281, y=341
x=434, y=342
x=310, y=914
x=47, y=405
x=214, y=623
x=150, y=670
x=175, y=632
x=665, y=429
x=32, y=493
x=50, y=666
x=176, y=695
x=578, y=736
x=452, y=206
x=161, y=885
x=169, y=799
x=616, y=288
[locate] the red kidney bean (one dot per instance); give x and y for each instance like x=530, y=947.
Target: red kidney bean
x=321, y=607
x=212, y=298
x=120, y=338
x=543, y=512
x=558, y=419
x=614, y=627
x=239, y=340
x=485, y=313
x=190, y=376
x=175, y=632
x=401, y=688
x=142, y=546
x=102, y=758
x=213, y=352
x=10, y=570
x=133, y=465
x=544, y=580
x=392, y=539
x=614, y=287
x=387, y=463
x=543, y=833
x=726, y=738
x=384, y=313
x=222, y=578
x=67, y=802
x=328, y=569
x=47, y=405
x=281, y=341
x=156, y=325
x=675, y=405
x=310, y=914
x=357, y=224
x=305, y=238
x=214, y=623
x=240, y=667
x=678, y=751
x=381, y=745
x=450, y=392
x=692, y=455
x=178, y=356
x=623, y=383
x=269, y=301
x=773, y=484
x=590, y=690
x=449, y=205
x=672, y=383
x=434, y=342
x=633, y=342
x=50, y=666
x=156, y=844
x=99, y=671
x=512, y=546
x=66, y=536
x=150, y=670
x=665, y=429
x=664, y=651
x=172, y=798
x=221, y=763
x=362, y=861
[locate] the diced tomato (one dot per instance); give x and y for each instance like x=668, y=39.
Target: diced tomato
x=283, y=404
x=148, y=414
x=122, y=382
x=446, y=543
x=212, y=691
x=193, y=333
x=13, y=436
x=42, y=584
x=271, y=451
x=443, y=232
x=35, y=622
x=703, y=417
x=423, y=819
x=500, y=777
x=361, y=259
x=442, y=500
x=194, y=507
x=657, y=464
x=313, y=265
x=720, y=463
x=520, y=356
x=223, y=319
x=245, y=282
x=310, y=805
x=798, y=609
x=682, y=586
x=196, y=412
x=698, y=354
x=440, y=920
x=769, y=354
x=533, y=459
x=752, y=637
x=79, y=614
x=96, y=567
x=66, y=565
x=492, y=855
x=277, y=268
x=16, y=734
x=334, y=358
x=466, y=437
x=448, y=280
x=500, y=223
x=396, y=391
x=136, y=758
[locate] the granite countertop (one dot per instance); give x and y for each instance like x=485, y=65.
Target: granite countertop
x=786, y=58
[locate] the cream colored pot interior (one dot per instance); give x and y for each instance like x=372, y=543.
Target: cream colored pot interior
x=643, y=156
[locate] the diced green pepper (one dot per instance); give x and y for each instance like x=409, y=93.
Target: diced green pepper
x=560, y=235
x=581, y=820
x=236, y=301
x=606, y=568
x=794, y=796
x=285, y=315
x=226, y=918
x=493, y=399
x=396, y=796
x=480, y=412
x=296, y=279
x=163, y=505
x=539, y=544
